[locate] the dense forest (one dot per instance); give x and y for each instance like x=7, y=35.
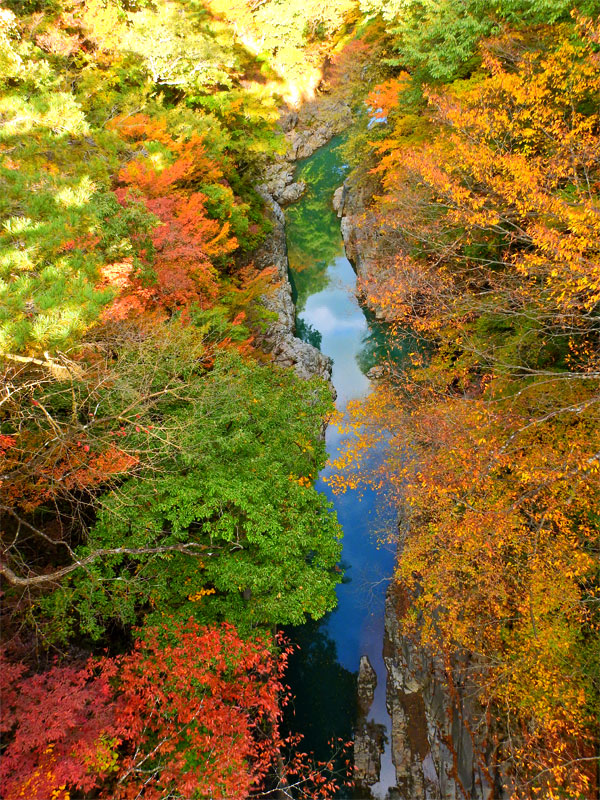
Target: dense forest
x=159, y=519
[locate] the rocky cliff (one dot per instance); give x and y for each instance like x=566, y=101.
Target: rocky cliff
x=305, y=132
x=441, y=743
x=279, y=340
x=361, y=236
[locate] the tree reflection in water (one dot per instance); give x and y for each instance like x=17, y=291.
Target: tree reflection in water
x=324, y=706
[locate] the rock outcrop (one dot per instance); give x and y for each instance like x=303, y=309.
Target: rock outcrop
x=369, y=737
x=278, y=182
x=440, y=739
x=290, y=193
x=339, y=199
x=360, y=231
x=279, y=339
x=305, y=132
x=318, y=122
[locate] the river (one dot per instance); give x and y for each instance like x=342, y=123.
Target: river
x=323, y=674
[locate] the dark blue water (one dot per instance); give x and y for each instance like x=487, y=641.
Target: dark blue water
x=324, y=676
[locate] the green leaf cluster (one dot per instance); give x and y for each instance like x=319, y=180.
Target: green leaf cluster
x=227, y=459
x=438, y=40
x=59, y=158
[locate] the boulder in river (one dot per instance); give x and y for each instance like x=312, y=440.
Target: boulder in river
x=288, y=121
x=291, y=193
x=367, y=683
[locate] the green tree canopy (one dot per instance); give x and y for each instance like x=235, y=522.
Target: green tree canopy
x=226, y=462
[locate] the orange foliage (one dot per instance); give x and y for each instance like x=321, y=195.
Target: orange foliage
x=513, y=145
x=192, y=162
x=384, y=97
x=491, y=253
x=345, y=66
x=69, y=467
x=186, y=240
x=58, y=42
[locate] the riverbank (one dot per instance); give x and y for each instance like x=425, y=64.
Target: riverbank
x=305, y=132
x=437, y=739
x=440, y=736
x=280, y=340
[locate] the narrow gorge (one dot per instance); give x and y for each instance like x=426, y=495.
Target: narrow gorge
x=412, y=732
x=300, y=399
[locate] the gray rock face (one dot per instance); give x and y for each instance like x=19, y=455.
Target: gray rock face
x=278, y=176
x=320, y=122
x=367, y=683
x=441, y=743
x=317, y=127
x=360, y=240
x=369, y=737
x=339, y=200
x=278, y=182
x=361, y=232
x=288, y=121
x=279, y=340
x=290, y=193
x=304, y=143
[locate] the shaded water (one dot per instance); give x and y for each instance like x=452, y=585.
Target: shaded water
x=323, y=675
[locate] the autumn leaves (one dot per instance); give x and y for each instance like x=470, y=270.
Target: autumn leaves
x=490, y=258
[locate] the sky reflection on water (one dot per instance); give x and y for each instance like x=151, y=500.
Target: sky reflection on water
x=325, y=290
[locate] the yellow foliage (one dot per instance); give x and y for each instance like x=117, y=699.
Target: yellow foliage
x=490, y=250
x=203, y=592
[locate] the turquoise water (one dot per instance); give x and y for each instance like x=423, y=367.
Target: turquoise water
x=323, y=675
